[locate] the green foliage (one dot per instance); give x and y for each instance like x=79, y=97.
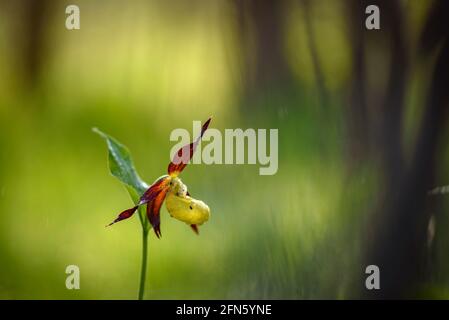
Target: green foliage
x=121, y=164
x=122, y=167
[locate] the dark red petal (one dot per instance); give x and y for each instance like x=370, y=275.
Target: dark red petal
x=124, y=215
x=154, y=210
x=184, y=154
x=195, y=228
x=154, y=190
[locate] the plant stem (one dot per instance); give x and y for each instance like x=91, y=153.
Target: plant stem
x=143, y=269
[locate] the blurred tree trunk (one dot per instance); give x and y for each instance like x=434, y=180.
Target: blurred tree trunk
x=311, y=41
x=390, y=131
x=261, y=32
x=35, y=13
x=376, y=126
x=29, y=36
x=399, y=237
x=359, y=128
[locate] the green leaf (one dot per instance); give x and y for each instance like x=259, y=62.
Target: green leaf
x=121, y=166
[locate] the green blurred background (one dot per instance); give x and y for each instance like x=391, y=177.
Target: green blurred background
x=137, y=70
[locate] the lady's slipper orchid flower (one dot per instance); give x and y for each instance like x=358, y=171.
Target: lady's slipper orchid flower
x=169, y=187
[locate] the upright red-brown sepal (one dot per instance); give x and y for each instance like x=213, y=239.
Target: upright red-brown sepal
x=184, y=154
